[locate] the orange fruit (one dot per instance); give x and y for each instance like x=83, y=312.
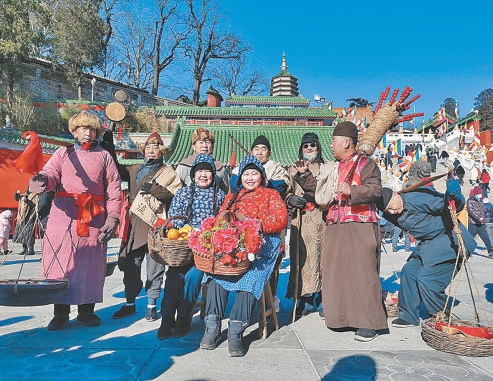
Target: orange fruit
x=173, y=233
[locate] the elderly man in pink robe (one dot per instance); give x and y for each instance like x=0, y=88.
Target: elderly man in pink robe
x=83, y=217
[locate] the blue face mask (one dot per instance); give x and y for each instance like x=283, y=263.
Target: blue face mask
x=478, y=197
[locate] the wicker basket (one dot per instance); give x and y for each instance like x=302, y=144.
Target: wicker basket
x=171, y=252
x=456, y=343
x=391, y=300
x=32, y=292
x=209, y=264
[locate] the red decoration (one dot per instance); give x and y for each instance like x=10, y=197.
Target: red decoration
x=31, y=160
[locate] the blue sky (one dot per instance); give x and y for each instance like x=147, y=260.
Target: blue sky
x=342, y=49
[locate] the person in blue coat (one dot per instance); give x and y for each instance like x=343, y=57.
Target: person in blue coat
x=424, y=213
x=197, y=201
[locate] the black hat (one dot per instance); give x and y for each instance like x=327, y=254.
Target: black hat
x=348, y=129
x=384, y=200
x=309, y=137
x=261, y=139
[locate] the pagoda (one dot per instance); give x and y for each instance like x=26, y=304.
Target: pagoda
x=284, y=84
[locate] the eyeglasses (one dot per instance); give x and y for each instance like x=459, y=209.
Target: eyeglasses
x=313, y=145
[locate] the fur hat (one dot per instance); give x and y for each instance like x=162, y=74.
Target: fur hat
x=87, y=119
x=348, y=129
x=260, y=140
x=154, y=138
x=202, y=134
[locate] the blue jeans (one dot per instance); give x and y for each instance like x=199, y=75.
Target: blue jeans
x=483, y=234
x=395, y=238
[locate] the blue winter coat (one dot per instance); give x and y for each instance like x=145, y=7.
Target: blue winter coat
x=427, y=218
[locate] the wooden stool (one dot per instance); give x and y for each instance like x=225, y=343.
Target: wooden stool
x=266, y=308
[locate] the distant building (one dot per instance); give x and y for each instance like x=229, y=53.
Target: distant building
x=284, y=84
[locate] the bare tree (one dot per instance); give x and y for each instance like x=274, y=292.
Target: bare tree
x=207, y=42
x=165, y=46
x=233, y=76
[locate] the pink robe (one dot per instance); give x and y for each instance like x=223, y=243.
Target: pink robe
x=81, y=259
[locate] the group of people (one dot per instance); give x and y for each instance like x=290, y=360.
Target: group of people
x=330, y=208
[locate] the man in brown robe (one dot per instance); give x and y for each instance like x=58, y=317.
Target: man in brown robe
x=351, y=288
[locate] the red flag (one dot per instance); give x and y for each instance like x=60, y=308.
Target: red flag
x=232, y=162
x=31, y=160
x=120, y=132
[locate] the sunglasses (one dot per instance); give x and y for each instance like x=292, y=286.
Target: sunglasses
x=313, y=145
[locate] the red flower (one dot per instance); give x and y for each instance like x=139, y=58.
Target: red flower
x=226, y=240
x=208, y=223
x=241, y=255
x=252, y=241
x=227, y=260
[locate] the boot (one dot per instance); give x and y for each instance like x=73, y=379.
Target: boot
x=235, y=338
x=61, y=312
x=212, y=332
x=87, y=316
x=184, y=318
x=164, y=331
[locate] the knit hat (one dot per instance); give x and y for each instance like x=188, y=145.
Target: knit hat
x=250, y=162
x=261, y=139
x=347, y=129
x=202, y=161
x=202, y=134
x=384, y=200
x=475, y=191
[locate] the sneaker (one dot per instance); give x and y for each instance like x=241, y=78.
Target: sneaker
x=91, y=320
x=124, y=311
x=57, y=323
x=365, y=334
x=151, y=314
x=400, y=323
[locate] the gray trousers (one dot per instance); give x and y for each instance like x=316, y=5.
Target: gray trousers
x=131, y=267
x=217, y=300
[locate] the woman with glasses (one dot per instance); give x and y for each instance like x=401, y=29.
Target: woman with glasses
x=305, y=277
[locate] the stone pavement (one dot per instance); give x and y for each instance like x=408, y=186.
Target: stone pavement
x=127, y=349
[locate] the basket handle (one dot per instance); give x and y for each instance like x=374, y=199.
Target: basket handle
x=228, y=215
x=168, y=220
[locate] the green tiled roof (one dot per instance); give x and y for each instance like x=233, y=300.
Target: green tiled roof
x=245, y=112
x=267, y=99
x=8, y=135
x=285, y=141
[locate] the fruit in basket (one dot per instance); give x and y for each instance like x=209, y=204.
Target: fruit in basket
x=173, y=234
x=184, y=232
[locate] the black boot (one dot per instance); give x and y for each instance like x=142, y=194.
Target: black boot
x=212, y=332
x=184, y=318
x=164, y=331
x=61, y=312
x=235, y=338
x=87, y=316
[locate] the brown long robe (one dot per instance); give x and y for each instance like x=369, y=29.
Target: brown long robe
x=351, y=289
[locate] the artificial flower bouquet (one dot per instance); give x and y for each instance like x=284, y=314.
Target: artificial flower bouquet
x=225, y=241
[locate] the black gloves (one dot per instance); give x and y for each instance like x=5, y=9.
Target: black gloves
x=38, y=183
x=297, y=202
x=107, y=144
